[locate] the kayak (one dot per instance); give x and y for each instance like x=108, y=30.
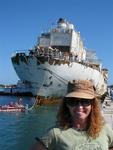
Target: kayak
x=12, y=109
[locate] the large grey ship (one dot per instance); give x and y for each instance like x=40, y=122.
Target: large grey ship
x=58, y=57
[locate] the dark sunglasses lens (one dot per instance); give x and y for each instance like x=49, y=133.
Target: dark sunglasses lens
x=73, y=103
x=85, y=102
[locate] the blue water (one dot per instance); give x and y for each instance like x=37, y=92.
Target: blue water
x=18, y=129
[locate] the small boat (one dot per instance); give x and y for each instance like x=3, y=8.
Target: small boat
x=7, y=108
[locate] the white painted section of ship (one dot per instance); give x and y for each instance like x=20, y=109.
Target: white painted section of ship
x=59, y=57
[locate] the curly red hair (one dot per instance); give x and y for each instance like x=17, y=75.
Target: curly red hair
x=95, y=118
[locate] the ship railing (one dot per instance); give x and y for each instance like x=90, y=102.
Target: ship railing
x=58, y=55
x=24, y=52
x=93, y=60
x=55, y=54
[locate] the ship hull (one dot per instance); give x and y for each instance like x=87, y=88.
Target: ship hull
x=50, y=77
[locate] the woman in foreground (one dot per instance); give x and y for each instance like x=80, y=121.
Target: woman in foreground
x=80, y=124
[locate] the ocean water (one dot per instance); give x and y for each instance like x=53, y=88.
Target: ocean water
x=19, y=129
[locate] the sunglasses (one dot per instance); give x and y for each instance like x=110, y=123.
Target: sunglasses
x=76, y=102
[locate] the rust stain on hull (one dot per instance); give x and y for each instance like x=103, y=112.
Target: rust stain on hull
x=47, y=101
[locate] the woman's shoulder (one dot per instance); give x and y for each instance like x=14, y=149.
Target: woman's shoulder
x=56, y=130
x=109, y=132
x=108, y=129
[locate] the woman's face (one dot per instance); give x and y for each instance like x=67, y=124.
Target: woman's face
x=79, y=109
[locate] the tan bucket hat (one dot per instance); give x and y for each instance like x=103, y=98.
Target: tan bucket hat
x=81, y=89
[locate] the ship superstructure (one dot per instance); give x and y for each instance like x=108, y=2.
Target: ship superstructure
x=58, y=57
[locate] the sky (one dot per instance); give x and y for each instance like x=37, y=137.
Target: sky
x=22, y=21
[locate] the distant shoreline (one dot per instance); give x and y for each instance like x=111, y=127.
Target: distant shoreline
x=16, y=94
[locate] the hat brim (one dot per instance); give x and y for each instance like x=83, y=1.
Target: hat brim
x=80, y=95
